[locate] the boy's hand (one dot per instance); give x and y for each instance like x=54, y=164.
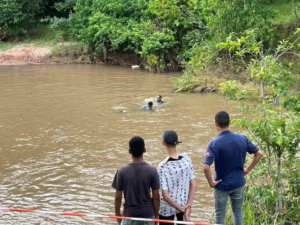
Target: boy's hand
x=214, y=183
x=186, y=216
x=246, y=171
x=119, y=221
x=183, y=208
x=156, y=223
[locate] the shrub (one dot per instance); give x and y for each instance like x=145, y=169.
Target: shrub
x=70, y=50
x=225, y=16
x=232, y=89
x=191, y=83
x=17, y=16
x=165, y=30
x=63, y=28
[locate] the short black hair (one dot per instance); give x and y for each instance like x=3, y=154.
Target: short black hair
x=222, y=119
x=150, y=103
x=137, y=146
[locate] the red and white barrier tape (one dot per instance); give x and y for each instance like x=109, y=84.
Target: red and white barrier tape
x=99, y=216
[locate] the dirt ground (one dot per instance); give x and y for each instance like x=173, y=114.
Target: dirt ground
x=30, y=54
x=26, y=55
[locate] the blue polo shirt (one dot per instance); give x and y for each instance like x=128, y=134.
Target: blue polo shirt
x=228, y=151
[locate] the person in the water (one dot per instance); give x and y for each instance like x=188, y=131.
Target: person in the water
x=149, y=107
x=159, y=100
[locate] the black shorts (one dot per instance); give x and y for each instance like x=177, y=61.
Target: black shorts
x=179, y=217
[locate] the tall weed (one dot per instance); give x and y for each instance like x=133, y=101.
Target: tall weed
x=70, y=50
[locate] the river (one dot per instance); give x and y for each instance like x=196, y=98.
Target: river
x=62, y=137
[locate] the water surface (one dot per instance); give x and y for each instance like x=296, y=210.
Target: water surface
x=62, y=138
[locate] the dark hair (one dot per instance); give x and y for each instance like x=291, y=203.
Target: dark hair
x=222, y=119
x=150, y=103
x=160, y=96
x=170, y=138
x=137, y=146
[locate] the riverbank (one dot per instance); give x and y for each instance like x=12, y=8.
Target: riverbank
x=33, y=53
x=59, y=53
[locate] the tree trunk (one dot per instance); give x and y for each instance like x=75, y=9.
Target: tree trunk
x=104, y=50
x=295, y=10
x=269, y=162
x=262, y=89
x=279, y=185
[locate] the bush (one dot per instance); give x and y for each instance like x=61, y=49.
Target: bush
x=17, y=16
x=191, y=83
x=273, y=187
x=63, y=28
x=162, y=30
x=232, y=89
x=225, y=16
x=70, y=50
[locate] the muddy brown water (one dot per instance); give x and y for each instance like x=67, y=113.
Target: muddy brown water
x=62, y=137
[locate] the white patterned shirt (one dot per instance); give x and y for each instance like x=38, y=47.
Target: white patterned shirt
x=175, y=176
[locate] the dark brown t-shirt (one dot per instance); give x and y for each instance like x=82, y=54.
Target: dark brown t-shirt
x=136, y=180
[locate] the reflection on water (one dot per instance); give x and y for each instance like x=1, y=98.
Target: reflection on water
x=63, y=138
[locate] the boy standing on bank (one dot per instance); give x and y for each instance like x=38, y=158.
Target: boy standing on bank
x=177, y=180
x=228, y=152
x=135, y=180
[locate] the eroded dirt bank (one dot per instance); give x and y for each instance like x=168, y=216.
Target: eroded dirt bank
x=26, y=55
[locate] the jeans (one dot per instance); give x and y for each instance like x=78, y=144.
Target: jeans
x=236, y=198
x=132, y=222
x=179, y=217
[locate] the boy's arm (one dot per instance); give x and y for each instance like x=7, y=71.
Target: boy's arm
x=257, y=157
x=118, y=202
x=193, y=187
x=165, y=191
x=156, y=202
x=192, y=191
x=209, y=159
x=212, y=183
x=171, y=202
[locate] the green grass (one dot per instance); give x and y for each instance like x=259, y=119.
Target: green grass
x=6, y=46
x=69, y=49
x=284, y=10
x=41, y=36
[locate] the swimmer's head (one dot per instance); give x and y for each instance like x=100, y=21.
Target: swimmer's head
x=158, y=98
x=150, y=105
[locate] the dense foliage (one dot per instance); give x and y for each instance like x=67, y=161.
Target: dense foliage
x=164, y=33
x=18, y=16
x=160, y=31
x=273, y=192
